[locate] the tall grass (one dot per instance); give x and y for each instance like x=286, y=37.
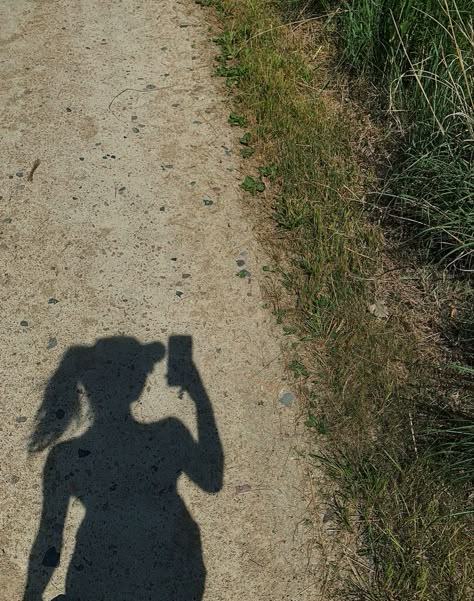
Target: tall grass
x=421, y=55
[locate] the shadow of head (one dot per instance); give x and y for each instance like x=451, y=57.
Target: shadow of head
x=112, y=373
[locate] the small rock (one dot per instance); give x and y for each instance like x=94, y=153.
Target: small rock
x=14, y=479
x=287, y=399
x=68, y=110
x=52, y=343
x=379, y=310
x=53, y=301
x=186, y=276
x=240, y=488
x=243, y=273
x=179, y=294
x=208, y=202
x=151, y=86
x=135, y=130
x=240, y=262
x=83, y=453
x=24, y=323
x=21, y=419
x=134, y=117
x=19, y=174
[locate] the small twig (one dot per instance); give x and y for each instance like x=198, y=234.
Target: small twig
x=33, y=169
x=136, y=90
x=413, y=434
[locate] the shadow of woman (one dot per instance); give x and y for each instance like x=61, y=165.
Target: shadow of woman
x=137, y=540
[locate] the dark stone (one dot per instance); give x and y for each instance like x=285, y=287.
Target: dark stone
x=51, y=558
x=24, y=323
x=19, y=174
x=83, y=453
x=21, y=419
x=52, y=343
x=240, y=262
x=53, y=301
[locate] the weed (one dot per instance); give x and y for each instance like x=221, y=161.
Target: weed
x=246, y=153
x=320, y=424
x=237, y=120
x=270, y=172
x=298, y=369
x=245, y=139
x=252, y=185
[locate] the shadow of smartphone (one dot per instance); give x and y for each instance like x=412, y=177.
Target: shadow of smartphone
x=180, y=361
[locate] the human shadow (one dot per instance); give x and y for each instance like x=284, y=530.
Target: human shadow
x=137, y=540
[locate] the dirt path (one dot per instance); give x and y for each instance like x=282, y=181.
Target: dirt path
x=131, y=232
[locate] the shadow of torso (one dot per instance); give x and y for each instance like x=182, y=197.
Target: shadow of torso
x=137, y=540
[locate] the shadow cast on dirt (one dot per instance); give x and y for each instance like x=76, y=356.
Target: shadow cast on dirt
x=137, y=540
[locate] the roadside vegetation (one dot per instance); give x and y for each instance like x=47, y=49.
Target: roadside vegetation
x=420, y=57
x=356, y=121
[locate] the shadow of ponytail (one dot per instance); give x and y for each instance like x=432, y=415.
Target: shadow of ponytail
x=61, y=404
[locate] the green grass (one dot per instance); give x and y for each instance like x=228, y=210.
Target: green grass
x=371, y=394
x=420, y=56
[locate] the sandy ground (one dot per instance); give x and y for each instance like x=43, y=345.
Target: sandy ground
x=164, y=472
